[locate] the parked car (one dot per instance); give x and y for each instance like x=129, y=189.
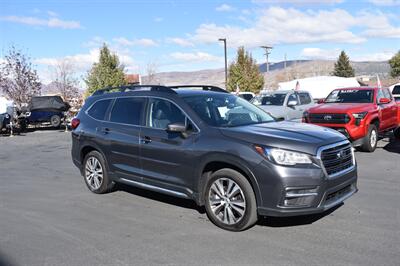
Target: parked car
x=395, y=89
x=214, y=148
x=287, y=105
x=43, y=109
x=359, y=113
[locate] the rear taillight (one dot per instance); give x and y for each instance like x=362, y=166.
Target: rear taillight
x=75, y=123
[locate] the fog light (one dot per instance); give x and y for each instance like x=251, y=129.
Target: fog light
x=300, y=197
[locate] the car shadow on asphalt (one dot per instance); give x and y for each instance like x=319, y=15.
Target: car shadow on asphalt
x=393, y=145
x=183, y=203
x=270, y=221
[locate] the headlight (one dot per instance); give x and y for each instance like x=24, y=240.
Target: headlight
x=284, y=157
x=360, y=115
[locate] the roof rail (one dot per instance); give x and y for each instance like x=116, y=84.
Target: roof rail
x=202, y=87
x=133, y=88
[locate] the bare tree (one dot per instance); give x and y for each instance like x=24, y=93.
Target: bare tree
x=151, y=71
x=65, y=81
x=18, y=80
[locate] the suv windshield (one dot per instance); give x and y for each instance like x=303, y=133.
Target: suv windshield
x=272, y=99
x=226, y=110
x=350, y=96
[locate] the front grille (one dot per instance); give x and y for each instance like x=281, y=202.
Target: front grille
x=329, y=118
x=337, y=159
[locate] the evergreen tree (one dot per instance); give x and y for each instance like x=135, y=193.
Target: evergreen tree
x=343, y=67
x=18, y=80
x=244, y=73
x=108, y=72
x=394, y=63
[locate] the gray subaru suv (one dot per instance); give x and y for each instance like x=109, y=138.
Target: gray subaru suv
x=205, y=144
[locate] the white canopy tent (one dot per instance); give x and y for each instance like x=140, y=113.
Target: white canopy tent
x=6, y=106
x=319, y=87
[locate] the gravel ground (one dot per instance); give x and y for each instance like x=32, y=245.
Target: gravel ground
x=48, y=217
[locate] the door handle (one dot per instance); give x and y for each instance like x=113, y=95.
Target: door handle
x=105, y=130
x=145, y=140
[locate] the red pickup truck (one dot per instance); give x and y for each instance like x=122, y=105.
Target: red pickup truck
x=360, y=113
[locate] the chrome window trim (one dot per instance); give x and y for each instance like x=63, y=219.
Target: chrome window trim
x=322, y=148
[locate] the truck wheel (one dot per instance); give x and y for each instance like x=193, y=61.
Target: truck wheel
x=230, y=200
x=371, y=140
x=396, y=133
x=55, y=121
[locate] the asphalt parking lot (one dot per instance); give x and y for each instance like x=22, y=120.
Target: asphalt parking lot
x=48, y=217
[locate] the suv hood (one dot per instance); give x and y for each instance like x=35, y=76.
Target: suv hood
x=340, y=108
x=286, y=135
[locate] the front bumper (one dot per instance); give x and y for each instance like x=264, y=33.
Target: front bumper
x=292, y=191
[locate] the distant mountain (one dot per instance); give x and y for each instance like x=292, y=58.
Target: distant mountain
x=278, y=73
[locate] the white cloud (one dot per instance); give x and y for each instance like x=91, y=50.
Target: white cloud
x=277, y=25
x=385, y=2
x=318, y=53
x=224, y=8
x=52, y=13
x=180, y=41
x=380, y=56
x=194, y=57
x=140, y=42
x=51, y=22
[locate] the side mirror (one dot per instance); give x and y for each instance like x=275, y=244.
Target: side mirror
x=321, y=101
x=176, y=127
x=292, y=103
x=384, y=100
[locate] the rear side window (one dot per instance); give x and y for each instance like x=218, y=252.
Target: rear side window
x=99, y=109
x=304, y=98
x=396, y=89
x=127, y=110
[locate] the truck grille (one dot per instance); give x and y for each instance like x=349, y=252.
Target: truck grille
x=329, y=118
x=337, y=159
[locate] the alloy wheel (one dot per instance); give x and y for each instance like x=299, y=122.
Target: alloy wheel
x=227, y=201
x=93, y=173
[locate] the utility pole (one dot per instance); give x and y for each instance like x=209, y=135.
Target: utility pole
x=226, y=62
x=267, y=53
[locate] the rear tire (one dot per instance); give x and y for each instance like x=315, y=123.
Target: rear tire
x=55, y=121
x=371, y=140
x=95, y=173
x=230, y=201
x=396, y=133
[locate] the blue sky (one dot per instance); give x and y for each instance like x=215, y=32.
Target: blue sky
x=182, y=35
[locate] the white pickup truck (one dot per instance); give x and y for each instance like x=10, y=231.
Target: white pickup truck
x=287, y=105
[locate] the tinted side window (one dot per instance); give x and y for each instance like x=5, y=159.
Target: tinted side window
x=396, y=89
x=162, y=113
x=292, y=97
x=127, y=110
x=99, y=109
x=304, y=98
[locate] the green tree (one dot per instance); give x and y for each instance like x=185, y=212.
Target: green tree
x=244, y=73
x=343, y=67
x=394, y=63
x=108, y=72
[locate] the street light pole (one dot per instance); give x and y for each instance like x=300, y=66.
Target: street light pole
x=226, y=61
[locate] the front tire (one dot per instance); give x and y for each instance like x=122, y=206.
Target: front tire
x=371, y=140
x=95, y=173
x=230, y=200
x=396, y=133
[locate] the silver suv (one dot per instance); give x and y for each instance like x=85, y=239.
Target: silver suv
x=287, y=105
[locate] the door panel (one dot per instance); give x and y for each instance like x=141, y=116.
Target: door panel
x=166, y=156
